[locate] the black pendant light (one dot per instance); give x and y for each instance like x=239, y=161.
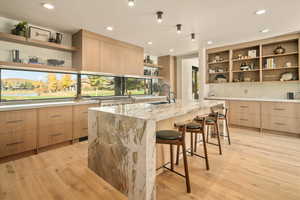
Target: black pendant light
x=179, y=28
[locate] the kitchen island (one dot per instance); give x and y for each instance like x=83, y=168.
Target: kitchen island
x=122, y=147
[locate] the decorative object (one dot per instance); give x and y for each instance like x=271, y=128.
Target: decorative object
x=54, y=62
x=148, y=60
x=220, y=78
x=270, y=64
x=59, y=37
x=252, y=53
x=247, y=79
x=33, y=60
x=211, y=71
x=279, y=50
x=288, y=64
x=39, y=34
x=21, y=29
x=15, y=54
x=240, y=56
x=52, y=39
x=244, y=67
x=287, y=76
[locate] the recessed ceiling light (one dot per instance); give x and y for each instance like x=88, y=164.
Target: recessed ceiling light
x=109, y=28
x=131, y=3
x=150, y=43
x=209, y=42
x=260, y=12
x=171, y=50
x=265, y=30
x=48, y=6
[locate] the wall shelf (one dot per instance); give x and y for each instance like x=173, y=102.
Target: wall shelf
x=24, y=66
x=27, y=41
x=152, y=65
x=244, y=59
x=280, y=68
x=219, y=62
x=240, y=71
x=279, y=55
x=218, y=72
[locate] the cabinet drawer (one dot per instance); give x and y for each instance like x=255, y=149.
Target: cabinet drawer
x=283, y=124
x=13, y=142
x=245, y=119
x=245, y=107
x=18, y=120
x=54, y=134
x=291, y=110
x=53, y=116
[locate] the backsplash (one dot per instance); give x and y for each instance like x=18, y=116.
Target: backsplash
x=253, y=90
x=29, y=51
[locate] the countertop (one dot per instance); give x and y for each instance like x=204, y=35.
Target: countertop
x=22, y=106
x=253, y=99
x=158, y=112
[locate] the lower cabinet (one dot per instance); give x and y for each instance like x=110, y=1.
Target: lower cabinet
x=80, y=120
x=18, y=131
x=55, y=125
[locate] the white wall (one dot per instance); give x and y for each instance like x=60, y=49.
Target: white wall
x=184, y=77
x=28, y=51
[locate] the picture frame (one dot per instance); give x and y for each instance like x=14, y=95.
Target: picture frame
x=39, y=34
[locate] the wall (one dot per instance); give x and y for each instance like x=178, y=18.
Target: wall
x=28, y=51
x=253, y=90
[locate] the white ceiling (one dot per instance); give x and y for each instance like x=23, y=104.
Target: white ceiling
x=222, y=21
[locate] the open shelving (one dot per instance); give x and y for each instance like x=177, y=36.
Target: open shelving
x=218, y=67
x=262, y=63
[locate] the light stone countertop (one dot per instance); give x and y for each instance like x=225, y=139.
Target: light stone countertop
x=149, y=111
x=253, y=99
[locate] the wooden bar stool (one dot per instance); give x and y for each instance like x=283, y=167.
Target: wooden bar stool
x=172, y=137
x=195, y=128
x=211, y=121
x=222, y=117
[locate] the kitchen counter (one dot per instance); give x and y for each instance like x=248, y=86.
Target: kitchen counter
x=104, y=102
x=122, y=142
x=253, y=99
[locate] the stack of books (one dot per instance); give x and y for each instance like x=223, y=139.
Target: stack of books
x=270, y=64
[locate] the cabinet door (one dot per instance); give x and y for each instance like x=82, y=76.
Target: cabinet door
x=132, y=61
x=92, y=54
x=111, y=58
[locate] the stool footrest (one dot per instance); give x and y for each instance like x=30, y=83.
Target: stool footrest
x=212, y=143
x=164, y=166
x=195, y=154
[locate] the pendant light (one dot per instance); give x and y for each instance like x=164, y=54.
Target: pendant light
x=131, y=3
x=178, y=27
x=193, y=37
x=159, y=16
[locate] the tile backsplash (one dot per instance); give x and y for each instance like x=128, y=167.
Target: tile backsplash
x=252, y=90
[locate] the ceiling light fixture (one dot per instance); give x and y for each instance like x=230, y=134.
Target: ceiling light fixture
x=209, y=42
x=131, y=3
x=159, y=16
x=260, y=12
x=110, y=28
x=265, y=30
x=48, y=6
x=193, y=37
x=149, y=43
x=179, y=28
x=171, y=50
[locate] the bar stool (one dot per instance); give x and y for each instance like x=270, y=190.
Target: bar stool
x=223, y=117
x=211, y=121
x=172, y=137
x=195, y=128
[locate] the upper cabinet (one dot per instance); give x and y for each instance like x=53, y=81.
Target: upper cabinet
x=97, y=53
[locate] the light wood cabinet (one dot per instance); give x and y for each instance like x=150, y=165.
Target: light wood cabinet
x=18, y=131
x=98, y=53
x=55, y=125
x=80, y=120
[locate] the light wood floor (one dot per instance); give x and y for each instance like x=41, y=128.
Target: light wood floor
x=253, y=167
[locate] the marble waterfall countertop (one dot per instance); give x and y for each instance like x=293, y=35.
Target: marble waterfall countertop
x=122, y=142
x=253, y=99
x=157, y=112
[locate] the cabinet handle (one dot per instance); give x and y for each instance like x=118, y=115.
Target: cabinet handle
x=15, y=143
x=279, y=109
x=14, y=121
x=280, y=124
x=84, y=128
x=55, y=116
x=244, y=106
x=244, y=119
x=57, y=134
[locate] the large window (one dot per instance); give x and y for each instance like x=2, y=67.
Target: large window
x=138, y=86
x=95, y=86
x=31, y=85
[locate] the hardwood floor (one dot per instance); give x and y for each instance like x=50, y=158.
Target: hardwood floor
x=253, y=167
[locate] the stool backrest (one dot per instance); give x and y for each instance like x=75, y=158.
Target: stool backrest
x=220, y=109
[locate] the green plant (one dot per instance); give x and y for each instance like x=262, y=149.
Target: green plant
x=21, y=29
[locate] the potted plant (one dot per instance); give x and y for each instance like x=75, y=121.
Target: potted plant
x=21, y=29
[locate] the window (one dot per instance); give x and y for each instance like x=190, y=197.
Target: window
x=32, y=85
x=138, y=86
x=95, y=86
